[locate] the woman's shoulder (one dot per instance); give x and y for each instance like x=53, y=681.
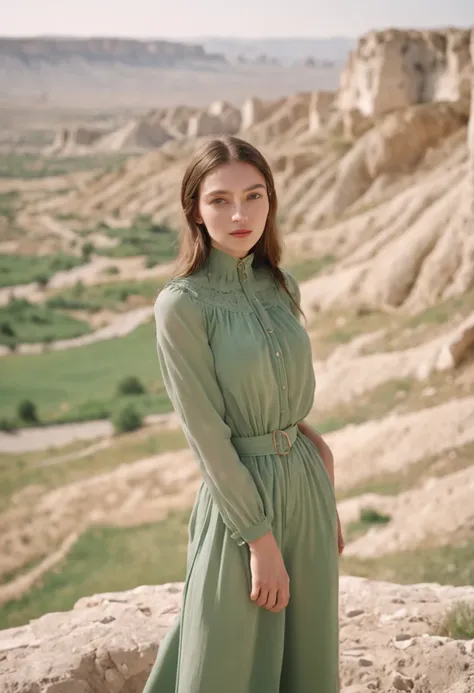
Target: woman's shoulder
x=177, y=294
x=292, y=284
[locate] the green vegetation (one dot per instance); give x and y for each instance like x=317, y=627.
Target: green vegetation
x=108, y=296
x=405, y=331
x=27, y=411
x=368, y=517
x=307, y=269
x=22, y=322
x=391, y=484
x=79, y=384
x=8, y=203
x=23, y=269
x=106, y=559
x=459, y=622
x=30, y=165
x=448, y=565
x=131, y=385
x=80, y=460
x=157, y=241
x=127, y=419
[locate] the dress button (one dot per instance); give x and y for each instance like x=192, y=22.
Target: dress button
x=283, y=387
x=283, y=411
x=270, y=331
x=277, y=353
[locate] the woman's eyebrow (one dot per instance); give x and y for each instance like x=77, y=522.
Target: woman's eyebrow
x=223, y=192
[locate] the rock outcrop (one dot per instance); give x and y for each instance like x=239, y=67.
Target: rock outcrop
x=394, y=69
x=390, y=640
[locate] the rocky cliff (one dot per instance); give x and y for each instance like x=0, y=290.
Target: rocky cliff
x=395, y=69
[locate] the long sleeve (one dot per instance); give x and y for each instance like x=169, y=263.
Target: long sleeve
x=187, y=367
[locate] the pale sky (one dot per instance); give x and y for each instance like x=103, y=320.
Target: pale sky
x=230, y=18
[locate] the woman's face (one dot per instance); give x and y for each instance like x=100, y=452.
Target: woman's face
x=233, y=204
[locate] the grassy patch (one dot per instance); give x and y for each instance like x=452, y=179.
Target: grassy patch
x=368, y=517
x=158, y=242
x=117, y=296
x=459, y=622
x=330, y=329
x=307, y=269
x=22, y=322
x=410, y=331
x=74, y=463
x=23, y=269
x=72, y=384
x=373, y=405
x=8, y=204
x=448, y=565
x=413, y=475
x=403, y=395
x=106, y=559
x=30, y=165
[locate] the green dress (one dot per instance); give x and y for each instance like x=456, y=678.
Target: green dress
x=237, y=366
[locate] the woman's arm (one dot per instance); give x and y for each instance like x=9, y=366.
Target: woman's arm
x=323, y=447
x=328, y=461
x=187, y=367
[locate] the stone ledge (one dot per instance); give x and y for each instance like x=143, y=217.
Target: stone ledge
x=108, y=642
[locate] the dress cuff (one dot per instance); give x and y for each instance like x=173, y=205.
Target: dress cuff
x=252, y=533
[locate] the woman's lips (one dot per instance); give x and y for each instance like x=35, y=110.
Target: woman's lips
x=241, y=233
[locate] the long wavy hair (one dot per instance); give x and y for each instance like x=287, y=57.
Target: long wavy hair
x=195, y=242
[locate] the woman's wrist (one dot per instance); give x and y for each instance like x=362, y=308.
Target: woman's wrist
x=261, y=541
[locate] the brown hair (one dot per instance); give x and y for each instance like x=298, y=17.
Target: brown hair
x=195, y=242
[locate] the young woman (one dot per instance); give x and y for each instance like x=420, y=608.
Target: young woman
x=260, y=603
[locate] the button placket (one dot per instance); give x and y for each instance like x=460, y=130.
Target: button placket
x=267, y=325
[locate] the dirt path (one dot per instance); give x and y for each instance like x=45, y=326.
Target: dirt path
x=43, y=438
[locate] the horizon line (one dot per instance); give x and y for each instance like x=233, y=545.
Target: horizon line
x=225, y=37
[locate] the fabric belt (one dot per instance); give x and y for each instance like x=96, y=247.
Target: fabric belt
x=277, y=442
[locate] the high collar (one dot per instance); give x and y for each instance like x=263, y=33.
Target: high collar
x=225, y=266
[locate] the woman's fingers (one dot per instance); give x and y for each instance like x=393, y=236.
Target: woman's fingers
x=272, y=599
x=283, y=597
x=263, y=597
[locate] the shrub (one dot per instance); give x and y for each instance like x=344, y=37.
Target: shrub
x=27, y=411
x=373, y=517
x=87, y=250
x=7, y=425
x=127, y=419
x=151, y=261
x=459, y=622
x=131, y=385
x=42, y=279
x=6, y=329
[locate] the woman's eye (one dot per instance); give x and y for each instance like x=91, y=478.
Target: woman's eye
x=255, y=196
x=217, y=200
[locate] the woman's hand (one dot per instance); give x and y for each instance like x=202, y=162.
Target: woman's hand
x=270, y=581
x=340, y=538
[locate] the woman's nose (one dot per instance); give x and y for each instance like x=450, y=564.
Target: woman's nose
x=238, y=214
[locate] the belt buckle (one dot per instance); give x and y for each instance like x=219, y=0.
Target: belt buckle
x=275, y=443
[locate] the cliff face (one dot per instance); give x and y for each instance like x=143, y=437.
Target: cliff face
x=103, y=50
x=395, y=69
